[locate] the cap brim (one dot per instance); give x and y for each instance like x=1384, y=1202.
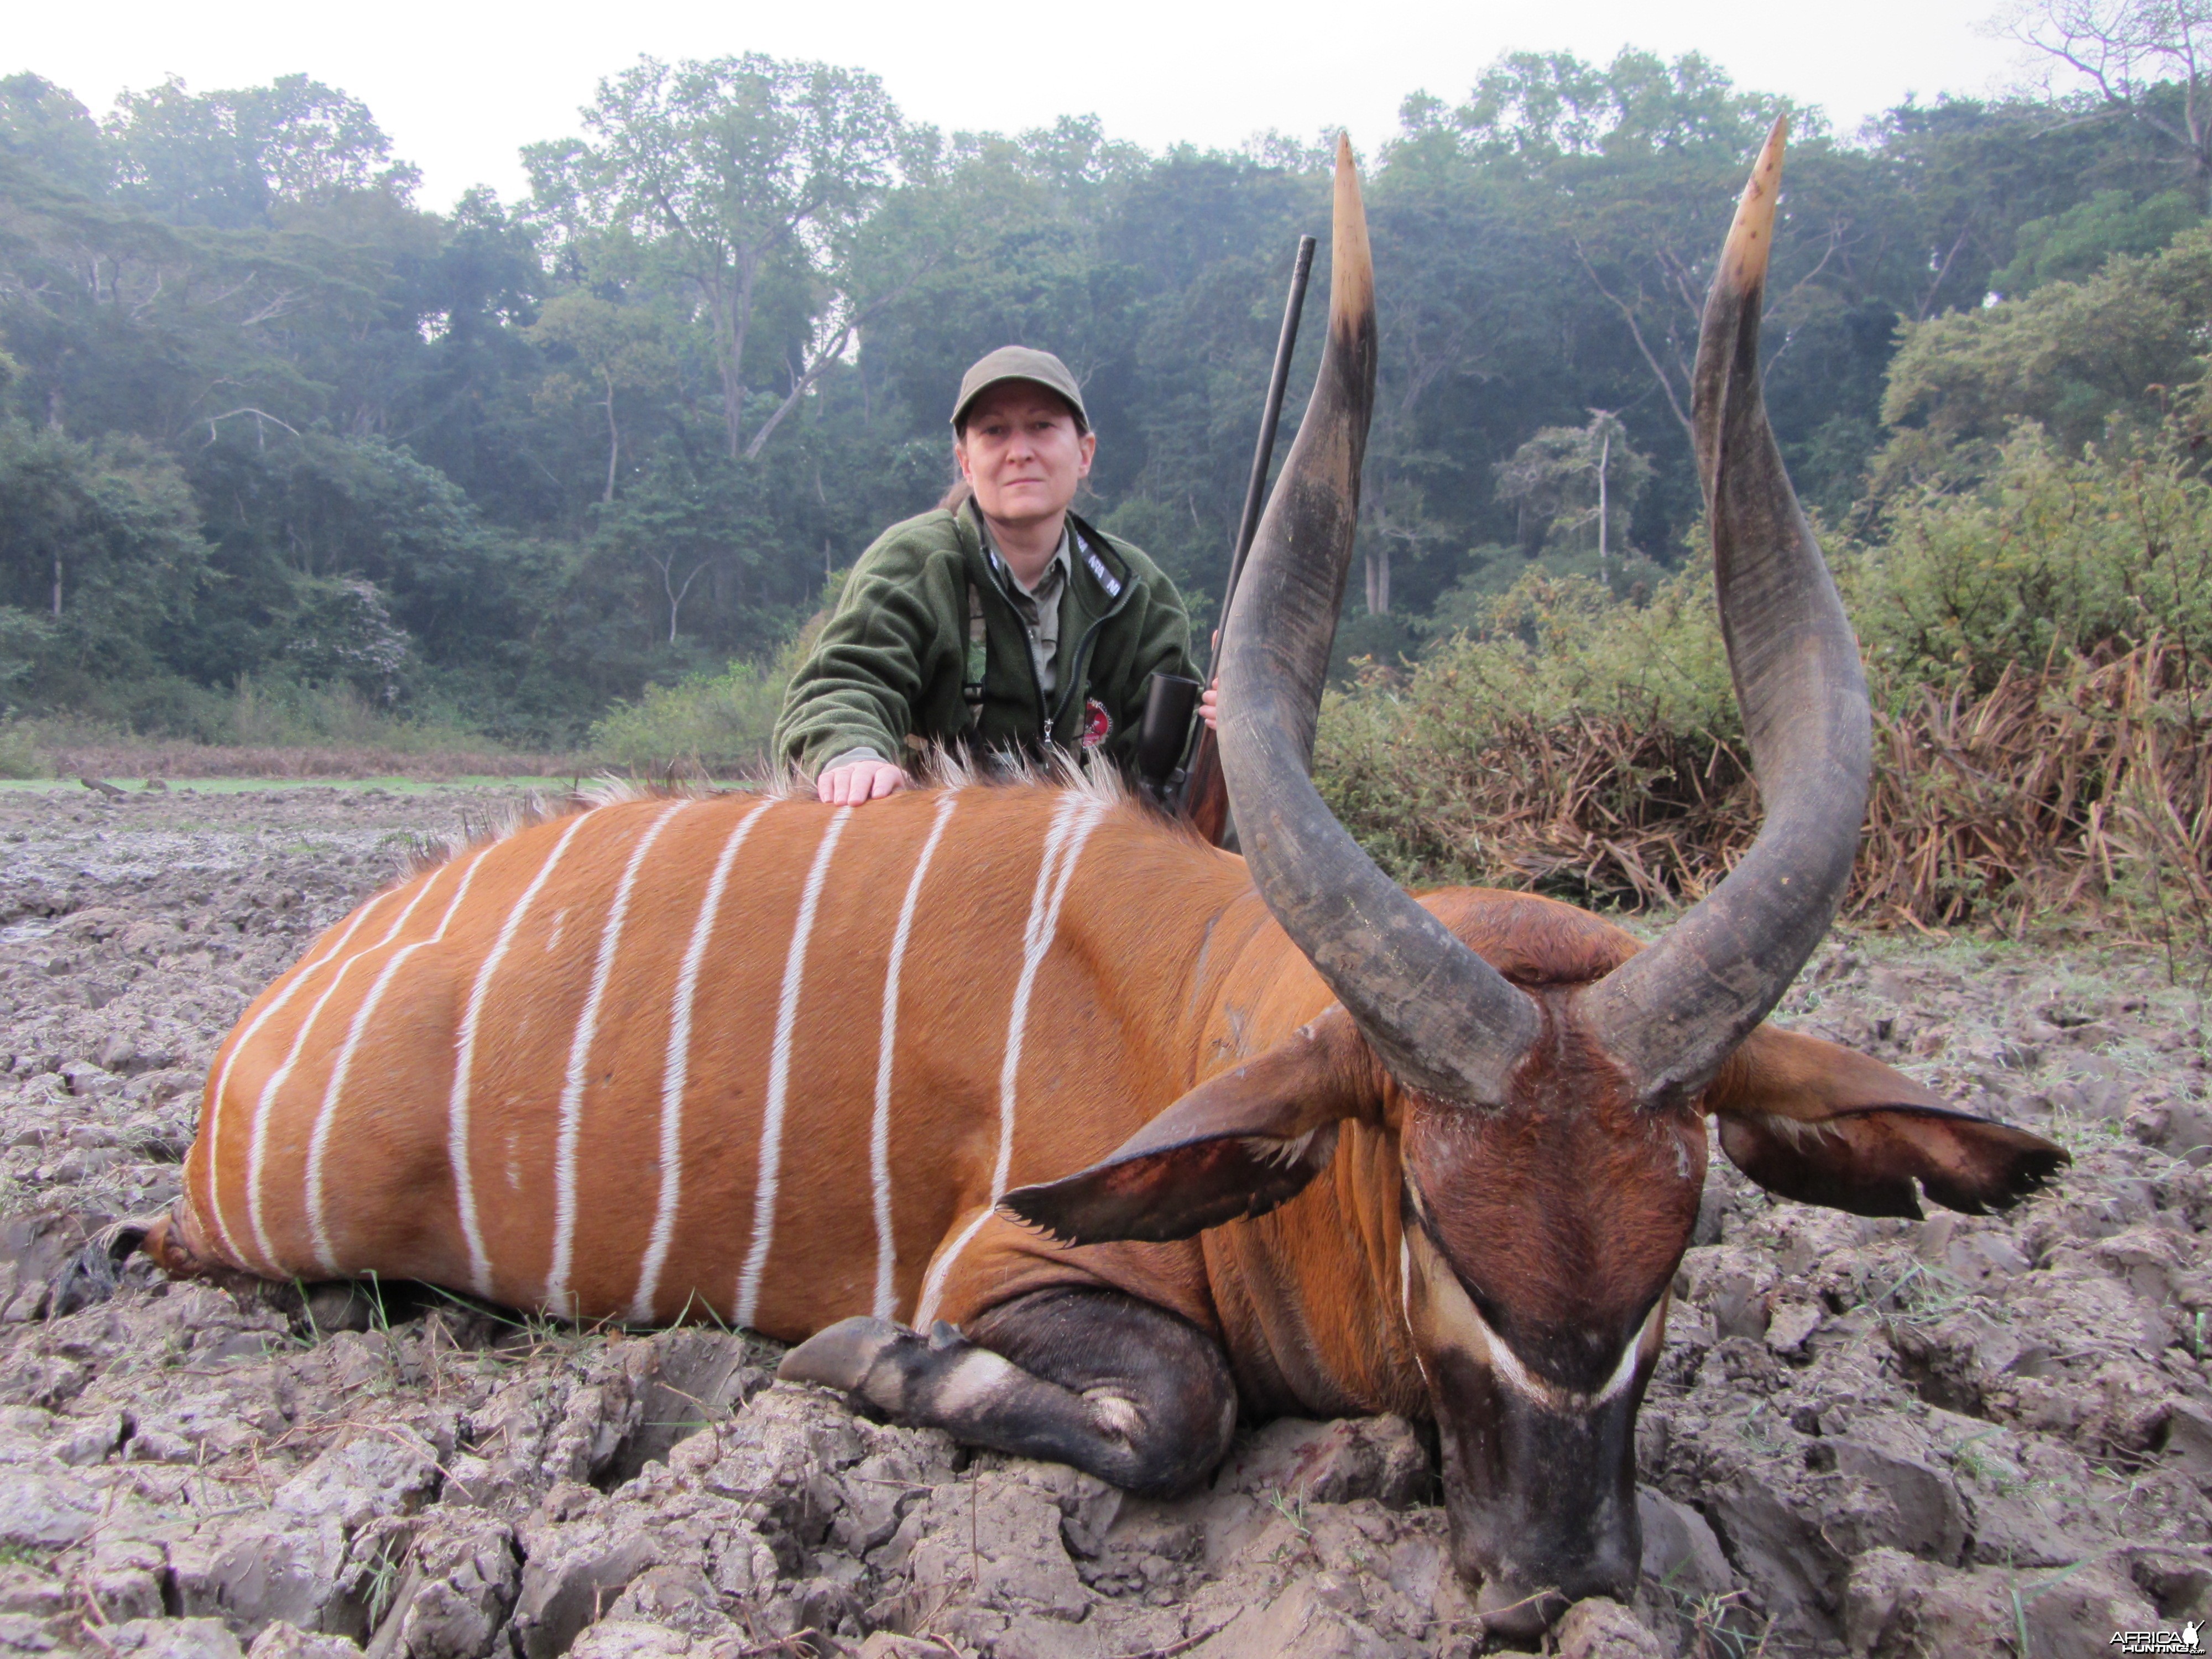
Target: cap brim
x=960, y=410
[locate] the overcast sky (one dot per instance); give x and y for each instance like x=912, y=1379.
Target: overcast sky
x=460, y=85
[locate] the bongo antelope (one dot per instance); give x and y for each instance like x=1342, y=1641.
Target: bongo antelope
x=1027, y=1115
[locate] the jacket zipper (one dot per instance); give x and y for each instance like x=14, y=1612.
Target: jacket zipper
x=1047, y=722
x=1044, y=715
x=1028, y=660
x=1077, y=663
x=1075, y=669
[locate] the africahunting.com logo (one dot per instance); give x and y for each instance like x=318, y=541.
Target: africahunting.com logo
x=2190, y=1638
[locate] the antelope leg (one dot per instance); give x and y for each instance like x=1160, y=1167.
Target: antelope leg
x=1118, y=1388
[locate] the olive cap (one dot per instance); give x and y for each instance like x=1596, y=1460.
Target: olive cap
x=1013, y=363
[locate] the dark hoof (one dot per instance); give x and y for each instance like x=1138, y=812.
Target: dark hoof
x=92, y=1275
x=842, y=1356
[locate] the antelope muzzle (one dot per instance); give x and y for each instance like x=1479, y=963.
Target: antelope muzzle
x=1538, y=1441
x=1541, y=1495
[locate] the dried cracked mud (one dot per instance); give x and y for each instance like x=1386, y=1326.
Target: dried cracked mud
x=1959, y=1436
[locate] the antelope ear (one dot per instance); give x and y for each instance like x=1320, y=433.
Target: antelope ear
x=1815, y=1121
x=1238, y=1145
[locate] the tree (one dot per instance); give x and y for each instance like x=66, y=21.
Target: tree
x=617, y=347
x=343, y=630
x=734, y=174
x=335, y=507
x=687, y=524
x=1575, y=485
x=1470, y=356
x=1535, y=107
x=228, y=158
x=2147, y=60
x=101, y=540
x=1627, y=147
x=1617, y=182
x=2076, y=358
x=739, y=305
x=43, y=127
x=2076, y=243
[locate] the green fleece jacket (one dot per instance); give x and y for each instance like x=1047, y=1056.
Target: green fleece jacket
x=893, y=670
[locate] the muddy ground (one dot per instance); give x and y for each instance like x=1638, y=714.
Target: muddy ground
x=1956, y=1436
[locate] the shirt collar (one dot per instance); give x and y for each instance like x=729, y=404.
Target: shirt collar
x=1062, y=561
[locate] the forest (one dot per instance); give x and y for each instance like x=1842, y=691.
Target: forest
x=280, y=447
x=266, y=419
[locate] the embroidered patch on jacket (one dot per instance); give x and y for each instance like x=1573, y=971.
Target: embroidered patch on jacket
x=1098, y=724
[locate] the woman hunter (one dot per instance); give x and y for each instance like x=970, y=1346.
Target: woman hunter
x=997, y=622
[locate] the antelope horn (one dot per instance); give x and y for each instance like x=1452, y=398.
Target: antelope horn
x=1671, y=1014
x=1443, y=1020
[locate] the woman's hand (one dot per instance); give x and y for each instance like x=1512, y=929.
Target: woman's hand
x=1209, y=706
x=859, y=780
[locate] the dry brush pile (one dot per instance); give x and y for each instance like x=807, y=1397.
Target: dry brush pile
x=2058, y=795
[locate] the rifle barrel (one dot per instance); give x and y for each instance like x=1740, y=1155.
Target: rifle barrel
x=1263, y=454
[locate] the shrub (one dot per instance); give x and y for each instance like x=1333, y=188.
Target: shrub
x=2037, y=655
x=1566, y=715
x=2052, y=556
x=273, y=711
x=711, y=726
x=19, y=752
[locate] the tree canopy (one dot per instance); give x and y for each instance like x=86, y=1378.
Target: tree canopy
x=263, y=414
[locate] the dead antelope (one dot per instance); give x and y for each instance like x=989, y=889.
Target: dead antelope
x=1335, y=1149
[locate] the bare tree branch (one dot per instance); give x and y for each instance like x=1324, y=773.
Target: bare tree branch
x=834, y=349
x=1628, y=316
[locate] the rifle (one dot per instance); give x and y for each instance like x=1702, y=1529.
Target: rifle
x=1206, y=792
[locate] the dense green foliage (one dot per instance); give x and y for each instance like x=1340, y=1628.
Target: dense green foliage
x=265, y=420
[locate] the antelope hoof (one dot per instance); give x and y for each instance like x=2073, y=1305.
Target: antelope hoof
x=842, y=1356
x=92, y=1274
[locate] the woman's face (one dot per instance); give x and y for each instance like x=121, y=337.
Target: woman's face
x=1023, y=453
